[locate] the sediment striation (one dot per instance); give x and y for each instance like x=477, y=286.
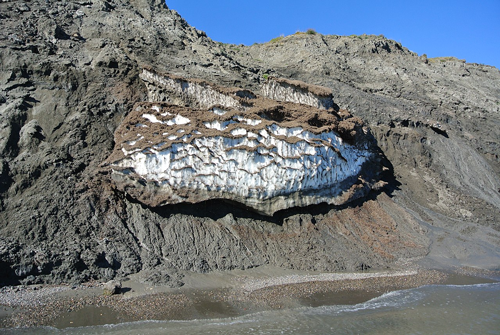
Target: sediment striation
x=264, y=154
x=282, y=89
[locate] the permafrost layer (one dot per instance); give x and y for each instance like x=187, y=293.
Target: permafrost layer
x=198, y=93
x=297, y=92
x=269, y=156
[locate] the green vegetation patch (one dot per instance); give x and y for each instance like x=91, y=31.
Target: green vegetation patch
x=366, y=36
x=281, y=37
x=277, y=39
x=445, y=59
x=307, y=32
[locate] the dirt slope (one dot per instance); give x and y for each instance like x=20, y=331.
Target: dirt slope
x=69, y=75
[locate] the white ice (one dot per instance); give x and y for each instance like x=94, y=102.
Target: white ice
x=178, y=119
x=151, y=118
x=218, y=111
x=247, y=121
x=276, y=167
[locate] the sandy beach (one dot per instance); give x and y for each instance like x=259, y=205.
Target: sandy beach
x=214, y=295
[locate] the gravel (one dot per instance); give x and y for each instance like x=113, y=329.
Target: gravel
x=47, y=306
x=22, y=296
x=253, y=285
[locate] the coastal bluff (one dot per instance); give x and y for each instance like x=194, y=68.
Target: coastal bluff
x=375, y=157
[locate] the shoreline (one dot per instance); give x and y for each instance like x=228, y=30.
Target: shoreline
x=215, y=295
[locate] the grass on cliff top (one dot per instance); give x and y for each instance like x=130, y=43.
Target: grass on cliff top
x=277, y=39
x=281, y=37
x=445, y=59
x=313, y=32
x=366, y=37
x=307, y=32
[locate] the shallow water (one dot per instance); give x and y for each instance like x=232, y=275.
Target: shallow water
x=434, y=309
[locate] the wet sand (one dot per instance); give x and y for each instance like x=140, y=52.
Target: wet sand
x=215, y=295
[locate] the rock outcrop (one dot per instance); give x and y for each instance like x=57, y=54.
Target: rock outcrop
x=264, y=154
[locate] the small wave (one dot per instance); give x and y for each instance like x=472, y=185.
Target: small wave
x=446, y=297
x=127, y=327
x=479, y=286
x=393, y=299
x=398, y=299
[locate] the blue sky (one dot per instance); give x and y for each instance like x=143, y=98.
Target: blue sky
x=467, y=30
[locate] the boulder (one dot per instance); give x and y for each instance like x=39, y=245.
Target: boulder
x=112, y=287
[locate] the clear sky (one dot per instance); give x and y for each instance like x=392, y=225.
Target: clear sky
x=467, y=30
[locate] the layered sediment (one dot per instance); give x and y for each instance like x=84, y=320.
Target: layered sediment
x=264, y=154
x=282, y=89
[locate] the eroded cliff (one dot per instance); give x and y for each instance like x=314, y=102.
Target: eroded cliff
x=263, y=154
x=70, y=77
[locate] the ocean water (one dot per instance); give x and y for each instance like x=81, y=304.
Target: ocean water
x=433, y=309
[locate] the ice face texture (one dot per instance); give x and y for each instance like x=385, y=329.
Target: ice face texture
x=264, y=154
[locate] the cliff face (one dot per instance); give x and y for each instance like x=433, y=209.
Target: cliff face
x=434, y=119
x=447, y=105
x=70, y=76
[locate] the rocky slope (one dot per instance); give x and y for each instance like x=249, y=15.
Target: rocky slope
x=70, y=75
x=435, y=119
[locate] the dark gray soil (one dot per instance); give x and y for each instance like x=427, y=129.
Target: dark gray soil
x=69, y=75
